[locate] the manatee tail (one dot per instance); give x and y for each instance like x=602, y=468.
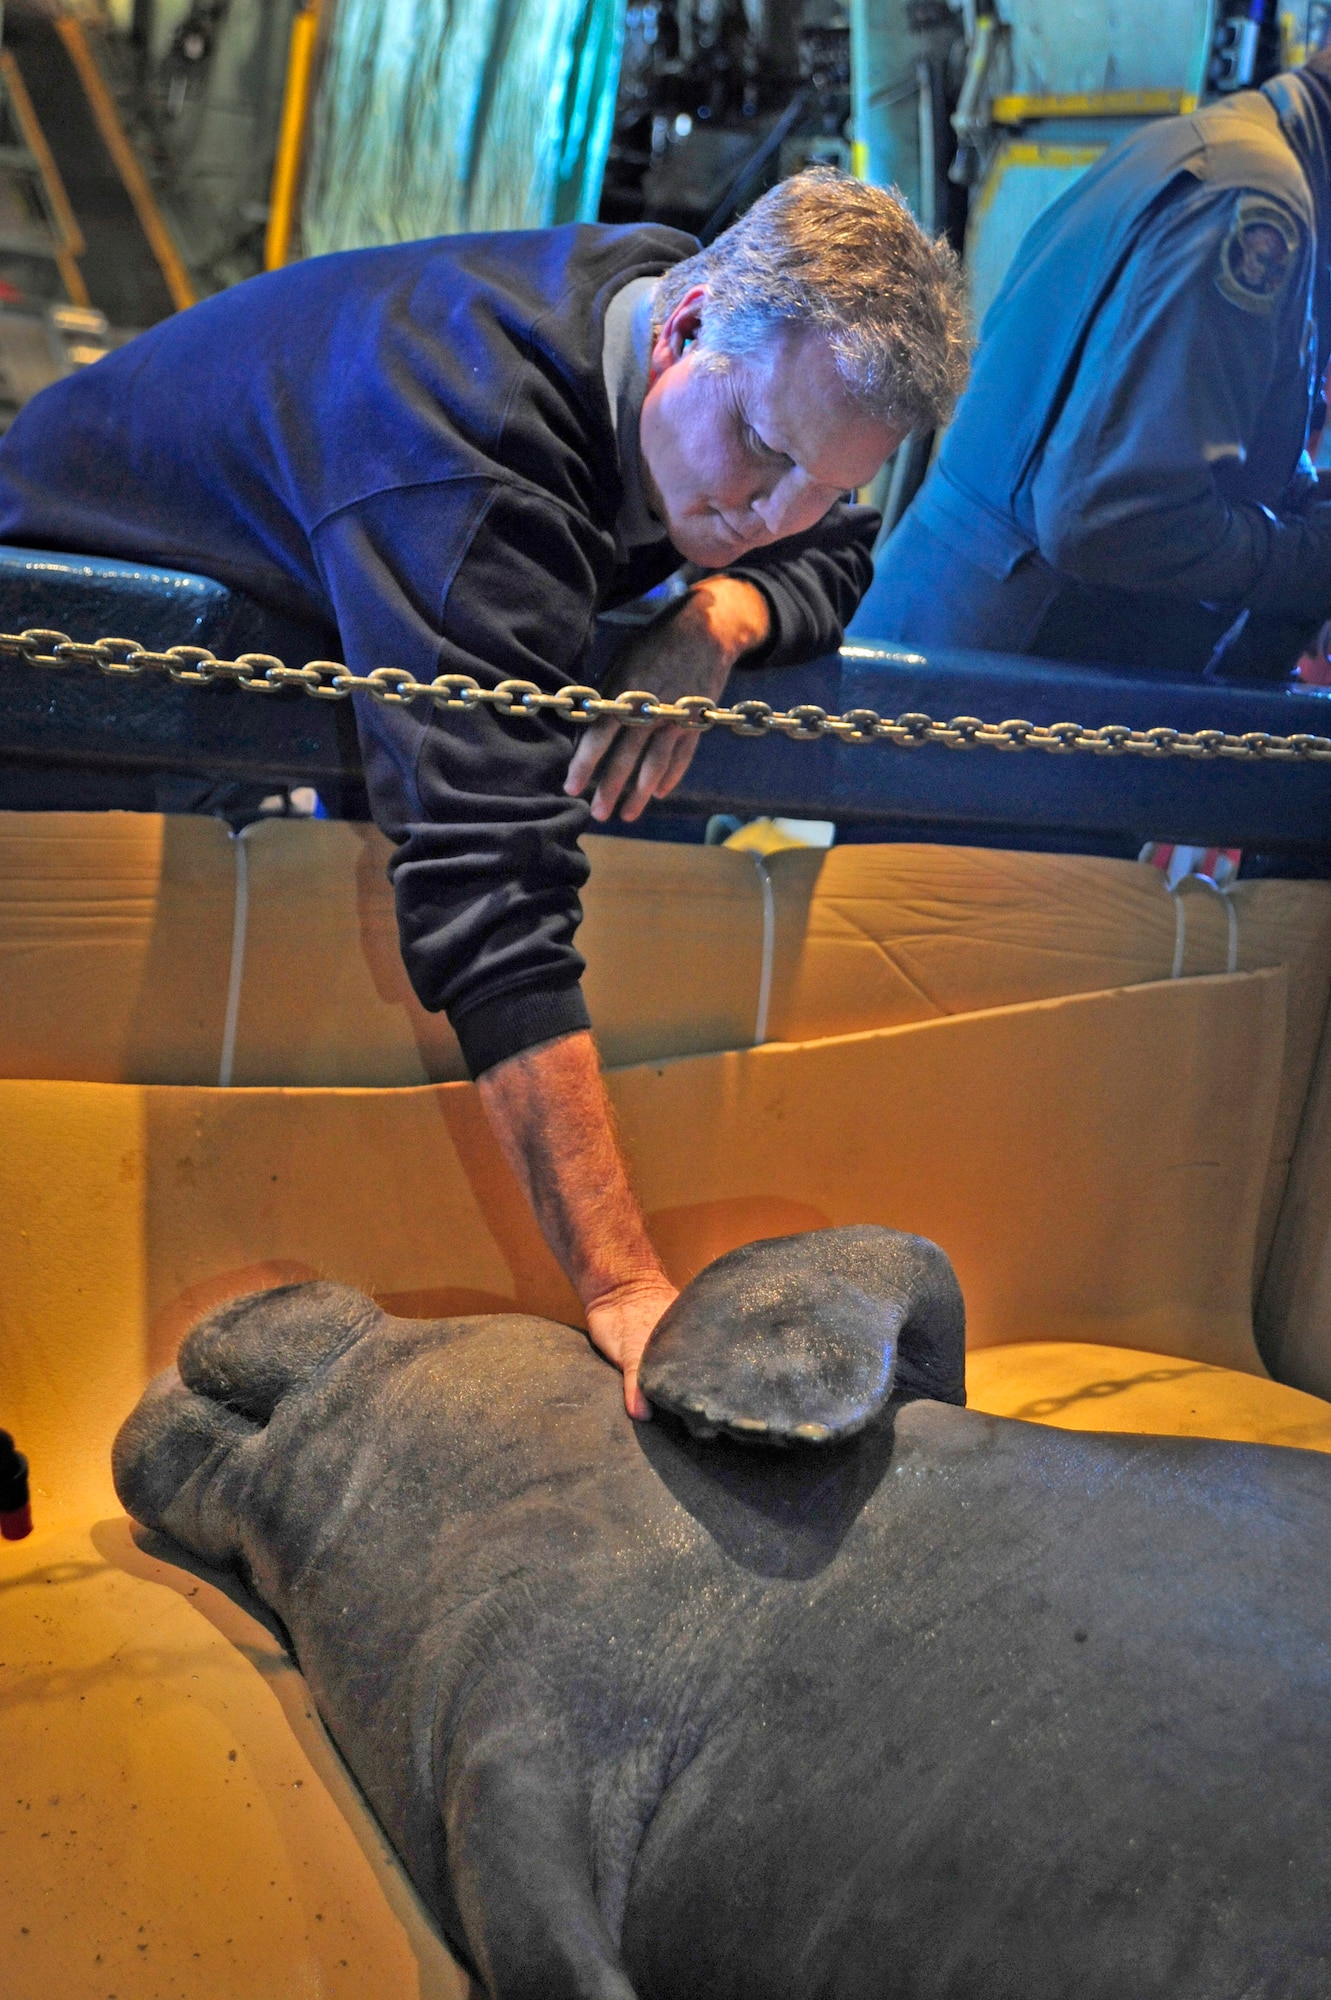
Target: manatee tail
x=807, y=1339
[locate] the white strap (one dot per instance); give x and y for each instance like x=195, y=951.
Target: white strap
x=1226, y=896
x=239, y=928
x=1231, y=912
x=769, y=951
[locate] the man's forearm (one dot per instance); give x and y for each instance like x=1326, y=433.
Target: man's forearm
x=549, y=1110
x=1186, y=544
x=690, y=650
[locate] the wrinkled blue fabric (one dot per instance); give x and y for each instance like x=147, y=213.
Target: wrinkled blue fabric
x=1124, y=480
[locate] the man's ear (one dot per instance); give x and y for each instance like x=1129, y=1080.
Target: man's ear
x=677, y=333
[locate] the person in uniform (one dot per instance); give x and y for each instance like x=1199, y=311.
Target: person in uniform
x=1127, y=478
x=448, y=457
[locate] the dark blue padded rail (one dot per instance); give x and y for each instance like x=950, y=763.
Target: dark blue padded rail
x=76, y=720
x=947, y=793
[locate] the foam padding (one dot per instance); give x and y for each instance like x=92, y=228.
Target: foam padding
x=1077, y=1387
x=673, y=937
x=324, y=995
x=174, y=1819
x=1294, y=1305
x=1092, y=1164
x=874, y=936
x=115, y=946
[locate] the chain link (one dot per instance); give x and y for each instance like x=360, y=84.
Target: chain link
x=460, y=694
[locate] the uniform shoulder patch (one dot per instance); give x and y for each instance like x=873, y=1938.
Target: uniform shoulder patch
x=1258, y=254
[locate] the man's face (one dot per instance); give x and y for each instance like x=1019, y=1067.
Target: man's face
x=743, y=452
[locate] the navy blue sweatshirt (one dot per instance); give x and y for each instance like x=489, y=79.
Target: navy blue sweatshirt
x=412, y=450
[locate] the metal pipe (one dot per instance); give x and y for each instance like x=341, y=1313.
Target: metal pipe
x=179, y=285
x=291, y=137
x=753, y=166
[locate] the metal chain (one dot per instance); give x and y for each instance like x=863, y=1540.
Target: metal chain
x=460, y=694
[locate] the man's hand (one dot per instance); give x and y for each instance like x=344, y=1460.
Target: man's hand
x=690, y=650
x=621, y=1325
x=549, y=1112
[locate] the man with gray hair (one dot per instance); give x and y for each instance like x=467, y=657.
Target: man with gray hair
x=448, y=457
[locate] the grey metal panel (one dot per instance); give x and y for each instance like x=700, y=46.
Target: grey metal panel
x=1063, y=46
x=1060, y=48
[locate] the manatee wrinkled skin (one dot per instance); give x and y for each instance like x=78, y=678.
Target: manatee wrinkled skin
x=953, y=1709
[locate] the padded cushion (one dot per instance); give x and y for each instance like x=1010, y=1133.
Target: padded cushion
x=161, y=1738
x=324, y=997
x=673, y=937
x=115, y=946
x=871, y=936
x=1078, y=1387
x=1294, y=1306
x=117, y=931
x=174, y=1819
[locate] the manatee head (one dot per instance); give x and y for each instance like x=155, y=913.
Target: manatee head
x=805, y=1339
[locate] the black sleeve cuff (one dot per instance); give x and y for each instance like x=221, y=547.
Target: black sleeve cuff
x=761, y=654
x=508, y=1023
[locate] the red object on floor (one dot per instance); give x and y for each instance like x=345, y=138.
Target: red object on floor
x=15, y=1525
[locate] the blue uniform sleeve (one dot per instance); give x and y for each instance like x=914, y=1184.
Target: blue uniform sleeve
x=813, y=584
x=481, y=578
x=1186, y=393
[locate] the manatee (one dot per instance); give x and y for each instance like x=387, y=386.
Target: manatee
x=819, y=1685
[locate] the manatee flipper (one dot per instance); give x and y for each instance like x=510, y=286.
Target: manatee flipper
x=519, y=1842
x=805, y=1340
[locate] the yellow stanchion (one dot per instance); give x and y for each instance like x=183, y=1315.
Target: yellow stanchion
x=291, y=137
x=179, y=285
